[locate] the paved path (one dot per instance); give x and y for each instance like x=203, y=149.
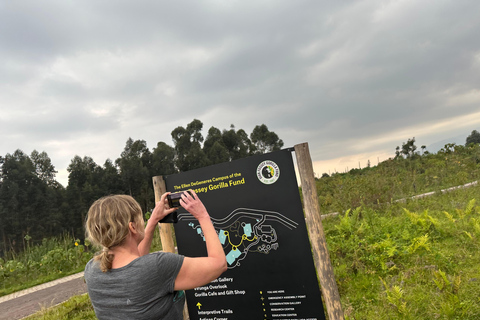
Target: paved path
x=24, y=303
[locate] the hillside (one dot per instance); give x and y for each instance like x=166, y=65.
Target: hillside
x=416, y=259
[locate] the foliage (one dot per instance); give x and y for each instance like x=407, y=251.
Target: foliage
x=474, y=137
x=408, y=149
x=265, y=140
x=400, y=178
x=52, y=259
x=27, y=196
x=398, y=257
x=76, y=308
x=409, y=260
x=188, y=151
x=33, y=204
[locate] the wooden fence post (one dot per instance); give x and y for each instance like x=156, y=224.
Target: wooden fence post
x=166, y=231
x=317, y=236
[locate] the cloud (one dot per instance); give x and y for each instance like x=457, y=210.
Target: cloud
x=352, y=78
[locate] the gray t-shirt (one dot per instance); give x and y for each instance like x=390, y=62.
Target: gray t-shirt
x=143, y=289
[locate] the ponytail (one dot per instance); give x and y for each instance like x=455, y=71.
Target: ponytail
x=106, y=259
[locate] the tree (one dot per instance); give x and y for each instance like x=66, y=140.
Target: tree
x=28, y=204
x=237, y=143
x=44, y=168
x=214, y=147
x=18, y=185
x=408, y=149
x=448, y=148
x=188, y=149
x=264, y=140
x=111, y=182
x=84, y=180
x=82, y=171
x=474, y=137
x=134, y=164
x=226, y=145
x=163, y=157
x=218, y=153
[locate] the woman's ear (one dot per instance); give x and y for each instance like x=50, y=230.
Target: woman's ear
x=132, y=228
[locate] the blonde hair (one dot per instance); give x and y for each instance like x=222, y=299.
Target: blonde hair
x=108, y=222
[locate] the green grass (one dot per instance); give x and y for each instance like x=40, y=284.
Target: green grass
x=76, y=308
x=53, y=259
x=399, y=178
x=417, y=260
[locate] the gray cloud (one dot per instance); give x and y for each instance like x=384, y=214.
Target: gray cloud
x=349, y=77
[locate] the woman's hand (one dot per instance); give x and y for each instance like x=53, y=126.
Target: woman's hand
x=202, y=270
x=161, y=209
x=192, y=204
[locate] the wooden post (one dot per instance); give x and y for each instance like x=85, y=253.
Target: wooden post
x=166, y=232
x=316, y=234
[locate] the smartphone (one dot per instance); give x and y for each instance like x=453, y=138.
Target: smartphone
x=174, y=198
x=173, y=202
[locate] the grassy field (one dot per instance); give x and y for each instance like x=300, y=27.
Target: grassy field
x=52, y=259
x=76, y=308
x=416, y=259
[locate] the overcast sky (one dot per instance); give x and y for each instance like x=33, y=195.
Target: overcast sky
x=354, y=79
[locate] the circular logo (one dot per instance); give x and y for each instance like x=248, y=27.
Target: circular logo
x=268, y=172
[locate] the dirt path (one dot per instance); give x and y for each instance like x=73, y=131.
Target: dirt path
x=24, y=303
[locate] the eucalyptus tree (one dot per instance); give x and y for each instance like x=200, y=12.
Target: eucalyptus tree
x=237, y=143
x=214, y=147
x=111, y=181
x=44, y=168
x=474, y=137
x=18, y=175
x=134, y=165
x=408, y=149
x=84, y=187
x=163, y=157
x=28, y=204
x=264, y=140
x=188, y=146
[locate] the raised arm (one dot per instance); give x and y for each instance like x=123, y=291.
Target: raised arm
x=199, y=271
x=160, y=211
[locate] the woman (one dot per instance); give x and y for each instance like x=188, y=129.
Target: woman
x=124, y=281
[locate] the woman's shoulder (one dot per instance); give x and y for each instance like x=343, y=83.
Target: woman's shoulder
x=164, y=260
x=89, y=265
x=161, y=256
x=91, y=269
x=152, y=260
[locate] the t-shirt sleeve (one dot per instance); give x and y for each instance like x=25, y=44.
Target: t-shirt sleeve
x=170, y=264
x=88, y=272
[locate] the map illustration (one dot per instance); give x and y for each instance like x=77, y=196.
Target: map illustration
x=244, y=231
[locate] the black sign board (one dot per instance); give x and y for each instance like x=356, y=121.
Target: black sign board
x=255, y=206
